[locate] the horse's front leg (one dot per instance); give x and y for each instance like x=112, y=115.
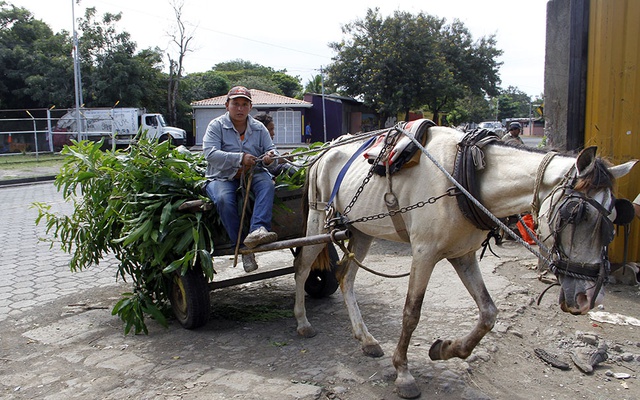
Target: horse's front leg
x=359, y=247
x=420, y=274
x=469, y=273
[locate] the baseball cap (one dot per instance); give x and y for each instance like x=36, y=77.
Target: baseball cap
x=239, y=91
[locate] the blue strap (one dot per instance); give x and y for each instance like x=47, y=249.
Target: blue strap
x=344, y=169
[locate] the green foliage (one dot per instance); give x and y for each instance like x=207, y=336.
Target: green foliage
x=126, y=203
x=203, y=85
x=112, y=71
x=470, y=108
x=407, y=61
x=314, y=85
x=36, y=69
x=256, y=76
x=513, y=103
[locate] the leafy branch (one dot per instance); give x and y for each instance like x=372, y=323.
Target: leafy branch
x=126, y=203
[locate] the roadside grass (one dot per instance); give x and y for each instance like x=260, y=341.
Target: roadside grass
x=29, y=165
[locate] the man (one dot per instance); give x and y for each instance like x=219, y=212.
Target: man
x=513, y=136
x=307, y=133
x=233, y=145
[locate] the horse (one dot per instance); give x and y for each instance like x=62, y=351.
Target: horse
x=512, y=179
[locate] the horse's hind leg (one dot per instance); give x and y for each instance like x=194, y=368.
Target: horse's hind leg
x=469, y=273
x=421, y=270
x=359, y=247
x=302, y=267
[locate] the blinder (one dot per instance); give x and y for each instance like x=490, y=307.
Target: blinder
x=624, y=212
x=574, y=210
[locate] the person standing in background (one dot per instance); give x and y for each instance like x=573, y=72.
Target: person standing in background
x=307, y=133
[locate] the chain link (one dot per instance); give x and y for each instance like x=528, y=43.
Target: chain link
x=389, y=141
x=451, y=192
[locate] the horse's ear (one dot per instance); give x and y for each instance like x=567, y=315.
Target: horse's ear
x=586, y=160
x=621, y=170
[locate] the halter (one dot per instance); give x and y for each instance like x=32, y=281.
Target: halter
x=571, y=209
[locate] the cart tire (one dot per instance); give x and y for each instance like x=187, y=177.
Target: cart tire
x=190, y=300
x=322, y=284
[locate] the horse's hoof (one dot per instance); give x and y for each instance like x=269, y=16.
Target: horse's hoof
x=408, y=390
x=307, y=332
x=373, y=350
x=435, y=352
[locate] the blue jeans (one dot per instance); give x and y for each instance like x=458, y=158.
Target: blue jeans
x=224, y=195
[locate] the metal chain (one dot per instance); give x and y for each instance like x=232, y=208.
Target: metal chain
x=387, y=143
x=450, y=192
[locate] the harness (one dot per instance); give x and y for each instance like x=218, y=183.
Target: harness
x=571, y=206
x=470, y=159
x=572, y=209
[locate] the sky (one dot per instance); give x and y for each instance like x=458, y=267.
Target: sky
x=294, y=35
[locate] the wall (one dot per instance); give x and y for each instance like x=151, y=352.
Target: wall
x=613, y=97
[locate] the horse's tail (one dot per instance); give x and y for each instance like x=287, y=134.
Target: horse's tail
x=323, y=261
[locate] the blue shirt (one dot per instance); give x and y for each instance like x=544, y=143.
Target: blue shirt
x=223, y=148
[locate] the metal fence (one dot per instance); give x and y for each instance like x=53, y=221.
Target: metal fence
x=31, y=131
x=41, y=130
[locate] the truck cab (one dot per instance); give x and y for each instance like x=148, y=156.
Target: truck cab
x=156, y=127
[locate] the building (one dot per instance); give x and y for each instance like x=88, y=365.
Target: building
x=288, y=115
x=333, y=115
x=592, y=89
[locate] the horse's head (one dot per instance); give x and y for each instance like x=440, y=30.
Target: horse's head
x=579, y=215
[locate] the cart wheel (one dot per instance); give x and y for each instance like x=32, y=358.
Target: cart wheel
x=190, y=298
x=321, y=284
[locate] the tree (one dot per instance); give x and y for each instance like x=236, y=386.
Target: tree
x=256, y=76
x=513, y=103
x=203, y=85
x=181, y=40
x=408, y=61
x=470, y=108
x=35, y=63
x=314, y=85
x=111, y=70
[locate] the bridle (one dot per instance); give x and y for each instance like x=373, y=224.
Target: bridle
x=568, y=209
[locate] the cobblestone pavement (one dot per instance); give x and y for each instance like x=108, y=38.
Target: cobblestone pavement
x=32, y=272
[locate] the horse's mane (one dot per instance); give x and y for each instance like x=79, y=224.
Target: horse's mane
x=596, y=178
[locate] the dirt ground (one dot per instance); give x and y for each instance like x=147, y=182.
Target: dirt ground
x=74, y=348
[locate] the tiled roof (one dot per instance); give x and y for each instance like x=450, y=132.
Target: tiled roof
x=259, y=97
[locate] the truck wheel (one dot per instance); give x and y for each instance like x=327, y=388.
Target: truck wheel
x=321, y=284
x=189, y=298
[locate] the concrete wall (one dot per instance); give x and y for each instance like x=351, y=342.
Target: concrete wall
x=556, y=73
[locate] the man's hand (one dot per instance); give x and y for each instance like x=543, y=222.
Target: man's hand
x=267, y=160
x=248, y=160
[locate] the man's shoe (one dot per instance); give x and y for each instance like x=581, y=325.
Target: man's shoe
x=260, y=236
x=249, y=262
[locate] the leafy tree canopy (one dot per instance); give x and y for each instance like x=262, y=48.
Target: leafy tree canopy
x=513, y=103
x=256, y=76
x=34, y=61
x=408, y=61
x=112, y=71
x=204, y=85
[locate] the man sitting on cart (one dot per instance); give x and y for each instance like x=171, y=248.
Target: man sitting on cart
x=235, y=144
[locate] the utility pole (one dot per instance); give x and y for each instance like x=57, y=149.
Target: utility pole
x=324, y=113
x=77, y=83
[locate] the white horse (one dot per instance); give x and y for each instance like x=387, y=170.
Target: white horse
x=508, y=184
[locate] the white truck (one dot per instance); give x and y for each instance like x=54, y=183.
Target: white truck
x=118, y=126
